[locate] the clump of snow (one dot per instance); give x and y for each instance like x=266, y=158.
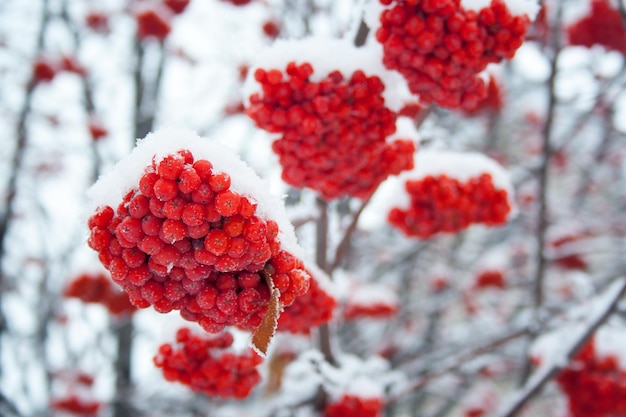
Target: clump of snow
x=529, y=8
x=405, y=129
x=611, y=341
x=111, y=187
x=372, y=294
x=327, y=55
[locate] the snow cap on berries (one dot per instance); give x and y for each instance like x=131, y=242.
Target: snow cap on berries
x=327, y=55
x=111, y=187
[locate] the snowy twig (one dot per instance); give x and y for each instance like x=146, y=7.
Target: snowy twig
x=458, y=361
x=607, y=305
x=342, y=248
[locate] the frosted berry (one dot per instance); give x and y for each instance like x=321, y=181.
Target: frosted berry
x=153, y=21
x=604, y=25
x=206, y=253
x=351, y=405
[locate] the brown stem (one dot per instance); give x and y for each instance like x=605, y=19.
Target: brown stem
x=344, y=245
x=542, y=227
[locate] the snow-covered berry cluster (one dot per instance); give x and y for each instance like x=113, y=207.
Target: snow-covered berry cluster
x=350, y=405
x=98, y=289
x=75, y=405
x=490, y=278
x=440, y=47
x=308, y=311
x=595, y=385
x=46, y=68
x=333, y=131
x=604, y=25
x=154, y=19
x=492, y=103
x=183, y=239
x=207, y=365
x=370, y=301
x=443, y=204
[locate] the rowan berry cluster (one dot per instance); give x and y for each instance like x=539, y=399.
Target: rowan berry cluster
x=154, y=19
x=603, y=26
x=440, y=47
x=206, y=365
x=98, y=289
x=182, y=239
x=594, y=386
x=370, y=301
x=491, y=103
x=73, y=404
x=333, y=131
x=566, y=258
x=350, y=405
x=442, y=204
x=490, y=278
x=46, y=68
x=375, y=311
x=308, y=311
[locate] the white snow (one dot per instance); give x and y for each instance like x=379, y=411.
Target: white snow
x=327, y=55
x=611, y=341
x=529, y=8
x=111, y=187
x=371, y=295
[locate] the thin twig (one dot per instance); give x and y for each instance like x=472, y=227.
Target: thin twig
x=344, y=245
x=539, y=379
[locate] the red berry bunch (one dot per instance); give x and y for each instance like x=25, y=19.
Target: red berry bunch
x=205, y=365
x=97, y=21
x=153, y=21
x=98, y=289
x=75, y=405
x=308, y=311
x=492, y=103
x=44, y=69
x=350, y=405
x=442, y=204
x=238, y=2
x=603, y=26
x=176, y=6
x=440, y=47
x=566, y=258
x=371, y=301
x=182, y=239
x=96, y=129
x=594, y=386
x=333, y=131
x=490, y=278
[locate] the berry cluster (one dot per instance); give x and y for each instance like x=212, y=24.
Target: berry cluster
x=603, y=26
x=97, y=21
x=490, y=278
x=308, y=311
x=154, y=19
x=333, y=131
x=46, y=68
x=443, y=204
x=238, y=2
x=566, y=258
x=98, y=289
x=73, y=404
x=370, y=301
x=205, y=365
x=492, y=103
x=184, y=240
x=440, y=47
x=595, y=387
x=351, y=405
